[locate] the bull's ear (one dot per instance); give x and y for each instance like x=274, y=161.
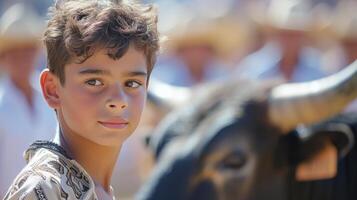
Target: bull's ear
x=322, y=165
x=320, y=150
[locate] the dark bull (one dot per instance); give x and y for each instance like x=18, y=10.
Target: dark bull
x=252, y=143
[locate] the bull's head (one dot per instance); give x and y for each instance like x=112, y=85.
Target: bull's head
x=235, y=145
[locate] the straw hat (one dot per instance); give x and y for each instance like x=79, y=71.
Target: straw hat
x=294, y=15
x=188, y=26
x=222, y=35
x=20, y=25
x=344, y=24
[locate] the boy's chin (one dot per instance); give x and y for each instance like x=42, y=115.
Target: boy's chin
x=111, y=142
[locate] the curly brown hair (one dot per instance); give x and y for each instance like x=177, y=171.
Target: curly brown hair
x=78, y=28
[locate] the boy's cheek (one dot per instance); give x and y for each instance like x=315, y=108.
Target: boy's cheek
x=137, y=107
x=82, y=97
x=141, y=102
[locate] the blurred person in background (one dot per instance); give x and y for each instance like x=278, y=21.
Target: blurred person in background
x=197, y=38
x=39, y=6
x=24, y=116
x=343, y=29
x=286, y=53
x=192, y=58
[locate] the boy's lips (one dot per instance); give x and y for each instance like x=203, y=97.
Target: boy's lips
x=114, y=123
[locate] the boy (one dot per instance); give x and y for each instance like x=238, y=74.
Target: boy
x=100, y=55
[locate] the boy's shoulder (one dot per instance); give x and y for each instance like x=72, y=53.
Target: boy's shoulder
x=49, y=174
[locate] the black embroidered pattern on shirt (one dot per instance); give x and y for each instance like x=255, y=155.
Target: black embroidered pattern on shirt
x=18, y=184
x=40, y=194
x=48, y=145
x=76, y=179
x=22, y=179
x=48, y=168
x=56, y=166
x=63, y=193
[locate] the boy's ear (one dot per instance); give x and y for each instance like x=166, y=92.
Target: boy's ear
x=49, y=85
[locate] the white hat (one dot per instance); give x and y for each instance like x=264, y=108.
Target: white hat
x=20, y=25
x=283, y=14
x=344, y=24
x=187, y=25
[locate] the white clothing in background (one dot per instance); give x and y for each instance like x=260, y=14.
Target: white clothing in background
x=20, y=127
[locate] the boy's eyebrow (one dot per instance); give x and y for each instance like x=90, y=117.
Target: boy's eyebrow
x=94, y=71
x=106, y=72
x=137, y=73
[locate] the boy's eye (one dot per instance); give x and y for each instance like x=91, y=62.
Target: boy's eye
x=94, y=82
x=133, y=84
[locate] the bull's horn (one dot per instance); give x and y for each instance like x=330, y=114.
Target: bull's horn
x=310, y=102
x=166, y=96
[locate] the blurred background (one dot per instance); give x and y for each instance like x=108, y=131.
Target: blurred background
x=204, y=41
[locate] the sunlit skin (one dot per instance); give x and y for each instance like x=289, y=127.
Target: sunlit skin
x=196, y=57
x=98, y=107
x=350, y=46
x=291, y=42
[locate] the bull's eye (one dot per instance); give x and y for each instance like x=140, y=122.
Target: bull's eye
x=235, y=160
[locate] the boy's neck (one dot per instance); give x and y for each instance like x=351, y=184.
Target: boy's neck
x=97, y=160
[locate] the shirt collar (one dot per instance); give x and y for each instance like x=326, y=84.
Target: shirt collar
x=40, y=144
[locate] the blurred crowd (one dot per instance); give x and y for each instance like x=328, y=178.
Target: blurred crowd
x=203, y=41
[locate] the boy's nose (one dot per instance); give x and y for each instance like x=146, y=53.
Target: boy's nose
x=114, y=106
x=117, y=100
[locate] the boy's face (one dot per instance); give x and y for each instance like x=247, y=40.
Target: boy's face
x=102, y=99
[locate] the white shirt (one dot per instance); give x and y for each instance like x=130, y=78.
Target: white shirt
x=52, y=175
x=19, y=127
